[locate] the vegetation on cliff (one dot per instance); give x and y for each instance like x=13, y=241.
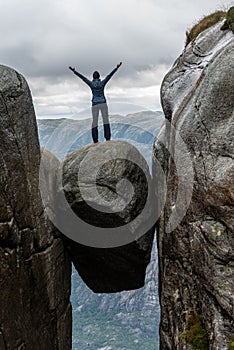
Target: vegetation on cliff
x=195, y=333
x=231, y=344
x=229, y=23
x=204, y=24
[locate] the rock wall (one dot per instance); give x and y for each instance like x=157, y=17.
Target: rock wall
x=197, y=257
x=35, y=311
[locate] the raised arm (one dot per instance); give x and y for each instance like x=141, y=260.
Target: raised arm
x=87, y=81
x=107, y=78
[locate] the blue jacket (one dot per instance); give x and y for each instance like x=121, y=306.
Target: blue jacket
x=97, y=86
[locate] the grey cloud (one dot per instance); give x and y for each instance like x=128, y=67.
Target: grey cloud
x=44, y=37
x=47, y=36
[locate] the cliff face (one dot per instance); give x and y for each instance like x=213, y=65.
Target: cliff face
x=196, y=255
x=35, y=311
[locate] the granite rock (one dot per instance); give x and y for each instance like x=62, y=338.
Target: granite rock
x=196, y=258
x=35, y=311
x=108, y=186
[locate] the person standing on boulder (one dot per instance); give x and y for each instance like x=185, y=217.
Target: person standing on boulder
x=98, y=101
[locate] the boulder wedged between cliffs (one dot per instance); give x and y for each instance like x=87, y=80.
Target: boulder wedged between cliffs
x=109, y=189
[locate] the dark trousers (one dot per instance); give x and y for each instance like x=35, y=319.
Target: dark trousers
x=106, y=125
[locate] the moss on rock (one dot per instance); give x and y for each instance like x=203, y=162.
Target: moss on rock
x=231, y=344
x=195, y=333
x=229, y=23
x=19, y=77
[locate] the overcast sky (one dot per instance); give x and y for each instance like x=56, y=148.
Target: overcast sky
x=41, y=38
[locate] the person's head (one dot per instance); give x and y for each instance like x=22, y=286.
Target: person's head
x=96, y=75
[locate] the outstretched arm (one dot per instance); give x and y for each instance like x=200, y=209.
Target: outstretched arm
x=107, y=78
x=87, y=81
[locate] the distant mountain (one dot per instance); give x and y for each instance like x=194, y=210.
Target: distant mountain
x=62, y=136
x=126, y=320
